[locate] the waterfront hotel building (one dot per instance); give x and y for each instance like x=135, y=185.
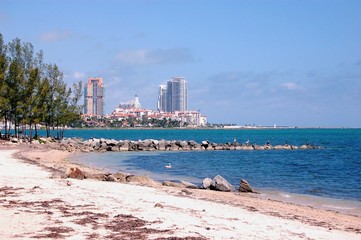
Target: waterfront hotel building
x=173, y=96
x=94, y=97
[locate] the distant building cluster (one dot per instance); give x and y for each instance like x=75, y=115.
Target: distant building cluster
x=172, y=105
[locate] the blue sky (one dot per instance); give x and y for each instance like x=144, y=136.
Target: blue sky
x=288, y=62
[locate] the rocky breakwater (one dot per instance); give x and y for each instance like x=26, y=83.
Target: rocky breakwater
x=104, y=145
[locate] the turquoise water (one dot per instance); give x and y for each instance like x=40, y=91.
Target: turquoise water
x=333, y=171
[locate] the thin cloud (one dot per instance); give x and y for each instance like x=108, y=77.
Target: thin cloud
x=156, y=56
x=291, y=86
x=54, y=36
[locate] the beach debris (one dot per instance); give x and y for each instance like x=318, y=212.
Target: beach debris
x=221, y=184
x=68, y=183
x=74, y=172
x=244, y=186
x=206, y=183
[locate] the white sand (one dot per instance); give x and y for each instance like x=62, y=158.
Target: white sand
x=23, y=213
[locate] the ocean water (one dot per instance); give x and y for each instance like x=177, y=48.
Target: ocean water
x=328, y=177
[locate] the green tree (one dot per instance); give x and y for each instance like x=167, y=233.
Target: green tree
x=4, y=101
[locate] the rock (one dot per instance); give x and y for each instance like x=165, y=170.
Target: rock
x=162, y=145
x=108, y=177
x=123, y=145
x=221, y=184
x=188, y=185
x=244, y=186
x=114, y=148
x=172, y=184
x=205, y=144
x=206, y=183
x=278, y=147
x=183, y=144
x=74, y=173
x=120, y=177
x=142, y=180
x=112, y=142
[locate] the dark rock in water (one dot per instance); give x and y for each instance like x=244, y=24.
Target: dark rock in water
x=244, y=186
x=221, y=184
x=75, y=173
x=207, y=182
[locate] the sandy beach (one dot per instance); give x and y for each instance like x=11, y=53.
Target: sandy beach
x=36, y=202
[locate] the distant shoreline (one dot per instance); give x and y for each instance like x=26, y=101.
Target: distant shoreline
x=213, y=128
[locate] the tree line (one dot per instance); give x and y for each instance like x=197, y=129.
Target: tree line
x=33, y=92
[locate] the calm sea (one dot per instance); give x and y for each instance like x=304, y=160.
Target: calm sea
x=328, y=177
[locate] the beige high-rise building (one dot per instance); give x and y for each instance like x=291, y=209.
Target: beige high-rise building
x=94, y=97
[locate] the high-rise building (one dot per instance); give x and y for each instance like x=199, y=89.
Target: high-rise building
x=162, y=98
x=177, y=97
x=94, y=93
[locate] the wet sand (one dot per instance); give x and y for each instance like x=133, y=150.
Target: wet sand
x=37, y=202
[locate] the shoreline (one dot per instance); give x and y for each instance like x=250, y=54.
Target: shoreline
x=344, y=206
x=329, y=224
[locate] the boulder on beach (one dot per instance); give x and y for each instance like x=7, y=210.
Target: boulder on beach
x=172, y=184
x=120, y=177
x=221, y=184
x=142, y=180
x=244, y=186
x=102, y=177
x=187, y=184
x=206, y=183
x=74, y=172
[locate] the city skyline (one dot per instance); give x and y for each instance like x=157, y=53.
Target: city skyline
x=290, y=63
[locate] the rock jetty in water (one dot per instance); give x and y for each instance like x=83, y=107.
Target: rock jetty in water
x=104, y=145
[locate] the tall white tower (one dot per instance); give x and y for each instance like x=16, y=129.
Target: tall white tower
x=177, y=96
